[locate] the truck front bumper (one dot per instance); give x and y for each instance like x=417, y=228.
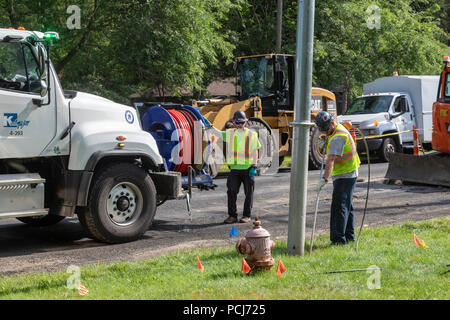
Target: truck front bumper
x=373, y=144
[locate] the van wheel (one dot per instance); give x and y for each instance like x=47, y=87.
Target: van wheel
x=122, y=204
x=387, y=147
x=41, y=221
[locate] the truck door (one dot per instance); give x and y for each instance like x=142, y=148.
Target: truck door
x=403, y=117
x=25, y=127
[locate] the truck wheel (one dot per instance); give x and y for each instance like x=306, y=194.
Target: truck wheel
x=315, y=154
x=267, y=144
x=388, y=146
x=122, y=204
x=41, y=221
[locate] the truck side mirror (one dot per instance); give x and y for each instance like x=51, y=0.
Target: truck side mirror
x=44, y=88
x=42, y=63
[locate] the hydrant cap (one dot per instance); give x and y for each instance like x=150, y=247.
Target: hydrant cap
x=257, y=231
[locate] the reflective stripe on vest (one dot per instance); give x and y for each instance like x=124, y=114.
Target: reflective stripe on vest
x=234, y=151
x=349, y=160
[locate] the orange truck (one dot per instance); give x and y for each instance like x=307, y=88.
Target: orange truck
x=441, y=112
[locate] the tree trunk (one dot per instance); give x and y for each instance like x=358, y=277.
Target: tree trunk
x=61, y=65
x=11, y=13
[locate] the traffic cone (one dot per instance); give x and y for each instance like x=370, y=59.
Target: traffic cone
x=353, y=134
x=416, y=141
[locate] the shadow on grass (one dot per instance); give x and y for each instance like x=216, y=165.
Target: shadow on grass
x=40, y=285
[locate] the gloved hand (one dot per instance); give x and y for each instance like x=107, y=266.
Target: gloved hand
x=252, y=172
x=322, y=182
x=321, y=142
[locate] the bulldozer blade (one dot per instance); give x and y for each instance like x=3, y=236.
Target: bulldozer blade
x=433, y=169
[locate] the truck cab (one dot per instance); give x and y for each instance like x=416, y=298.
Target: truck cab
x=380, y=114
x=64, y=153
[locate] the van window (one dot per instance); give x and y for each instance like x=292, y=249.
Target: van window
x=401, y=105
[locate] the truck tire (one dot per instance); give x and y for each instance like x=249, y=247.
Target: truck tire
x=315, y=154
x=122, y=204
x=389, y=145
x=41, y=221
x=267, y=146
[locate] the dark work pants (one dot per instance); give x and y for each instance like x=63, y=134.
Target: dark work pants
x=341, y=220
x=235, y=178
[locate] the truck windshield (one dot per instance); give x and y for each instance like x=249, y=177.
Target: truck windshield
x=257, y=77
x=373, y=104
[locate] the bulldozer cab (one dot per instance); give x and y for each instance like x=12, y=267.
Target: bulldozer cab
x=270, y=77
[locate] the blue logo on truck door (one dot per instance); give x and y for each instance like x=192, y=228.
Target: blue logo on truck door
x=129, y=117
x=11, y=121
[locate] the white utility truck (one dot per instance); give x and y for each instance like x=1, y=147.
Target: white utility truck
x=392, y=105
x=64, y=153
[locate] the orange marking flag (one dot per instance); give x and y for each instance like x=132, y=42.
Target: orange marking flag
x=82, y=290
x=416, y=240
x=280, y=268
x=199, y=264
x=245, y=267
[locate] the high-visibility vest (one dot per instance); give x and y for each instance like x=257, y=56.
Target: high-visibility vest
x=238, y=150
x=349, y=160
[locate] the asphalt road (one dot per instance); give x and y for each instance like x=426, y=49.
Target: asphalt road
x=27, y=249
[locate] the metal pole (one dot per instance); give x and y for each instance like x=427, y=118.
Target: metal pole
x=279, y=24
x=302, y=124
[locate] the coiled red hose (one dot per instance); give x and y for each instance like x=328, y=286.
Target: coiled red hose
x=186, y=141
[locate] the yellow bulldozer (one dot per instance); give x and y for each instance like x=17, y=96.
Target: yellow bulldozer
x=265, y=92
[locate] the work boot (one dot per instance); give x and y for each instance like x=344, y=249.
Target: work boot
x=245, y=220
x=230, y=219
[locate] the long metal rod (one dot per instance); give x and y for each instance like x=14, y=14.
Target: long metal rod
x=317, y=199
x=302, y=106
x=353, y=270
x=368, y=188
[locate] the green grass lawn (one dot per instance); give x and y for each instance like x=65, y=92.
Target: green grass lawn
x=407, y=272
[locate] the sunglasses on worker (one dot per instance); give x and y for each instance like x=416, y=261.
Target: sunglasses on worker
x=240, y=122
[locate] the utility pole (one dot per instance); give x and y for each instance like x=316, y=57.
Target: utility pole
x=301, y=124
x=279, y=24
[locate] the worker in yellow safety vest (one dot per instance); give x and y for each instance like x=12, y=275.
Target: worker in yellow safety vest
x=342, y=163
x=241, y=157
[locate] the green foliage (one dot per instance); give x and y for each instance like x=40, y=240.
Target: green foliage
x=348, y=52
x=124, y=47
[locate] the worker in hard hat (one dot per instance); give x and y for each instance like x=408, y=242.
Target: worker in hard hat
x=342, y=163
x=241, y=157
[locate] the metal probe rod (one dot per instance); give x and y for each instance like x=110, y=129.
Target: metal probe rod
x=317, y=199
